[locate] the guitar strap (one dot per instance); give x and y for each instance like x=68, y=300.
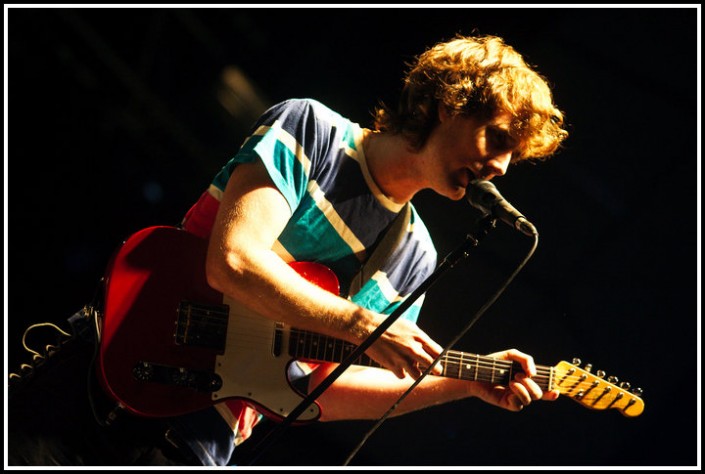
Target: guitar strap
x=392, y=238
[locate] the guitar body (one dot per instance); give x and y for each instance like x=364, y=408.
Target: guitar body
x=170, y=344
x=156, y=298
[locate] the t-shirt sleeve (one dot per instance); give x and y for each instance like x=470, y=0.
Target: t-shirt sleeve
x=285, y=138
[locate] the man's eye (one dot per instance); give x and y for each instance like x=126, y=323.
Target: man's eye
x=501, y=139
x=498, y=139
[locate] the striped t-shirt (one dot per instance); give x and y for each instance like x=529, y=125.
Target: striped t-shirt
x=315, y=158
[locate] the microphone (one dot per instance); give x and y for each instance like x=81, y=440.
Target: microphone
x=484, y=195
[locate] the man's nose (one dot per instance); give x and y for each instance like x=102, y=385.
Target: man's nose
x=497, y=165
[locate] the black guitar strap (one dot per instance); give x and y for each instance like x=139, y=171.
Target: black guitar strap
x=384, y=249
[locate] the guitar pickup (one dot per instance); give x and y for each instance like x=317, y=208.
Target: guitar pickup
x=202, y=325
x=200, y=380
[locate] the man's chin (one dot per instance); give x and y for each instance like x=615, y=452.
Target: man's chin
x=457, y=193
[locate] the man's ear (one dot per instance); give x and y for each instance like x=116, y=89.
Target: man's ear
x=443, y=112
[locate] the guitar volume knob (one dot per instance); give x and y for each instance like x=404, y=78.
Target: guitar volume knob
x=143, y=371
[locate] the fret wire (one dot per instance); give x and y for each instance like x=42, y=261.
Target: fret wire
x=311, y=346
x=326, y=343
x=477, y=365
x=315, y=345
x=307, y=345
x=302, y=345
x=337, y=351
x=320, y=346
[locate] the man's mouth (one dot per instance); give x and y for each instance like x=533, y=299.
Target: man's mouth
x=470, y=177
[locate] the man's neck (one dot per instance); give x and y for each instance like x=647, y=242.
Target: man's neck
x=393, y=166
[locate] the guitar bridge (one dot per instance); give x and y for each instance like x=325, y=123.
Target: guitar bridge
x=200, y=380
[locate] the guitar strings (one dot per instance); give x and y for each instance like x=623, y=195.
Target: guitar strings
x=453, y=362
x=543, y=377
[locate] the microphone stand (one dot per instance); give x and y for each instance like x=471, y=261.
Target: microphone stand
x=482, y=228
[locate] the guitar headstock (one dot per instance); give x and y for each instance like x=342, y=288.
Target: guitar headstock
x=594, y=391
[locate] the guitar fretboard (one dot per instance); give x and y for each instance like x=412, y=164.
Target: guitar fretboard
x=312, y=347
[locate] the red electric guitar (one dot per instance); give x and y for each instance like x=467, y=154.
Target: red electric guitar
x=170, y=344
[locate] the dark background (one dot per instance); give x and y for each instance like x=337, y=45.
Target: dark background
x=118, y=119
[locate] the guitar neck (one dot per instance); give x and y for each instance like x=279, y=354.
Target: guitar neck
x=312, y=347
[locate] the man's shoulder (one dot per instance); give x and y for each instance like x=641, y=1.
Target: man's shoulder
x=308, y=107
x=301, y=103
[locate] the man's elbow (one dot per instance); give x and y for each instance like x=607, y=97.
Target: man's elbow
x=224, y=270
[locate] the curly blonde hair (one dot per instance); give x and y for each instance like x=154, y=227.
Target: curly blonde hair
x=479, y=76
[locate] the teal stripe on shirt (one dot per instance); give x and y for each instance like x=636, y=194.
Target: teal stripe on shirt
x=309, y=232
x=372, y=297
x=286, y=171
x=309, y=236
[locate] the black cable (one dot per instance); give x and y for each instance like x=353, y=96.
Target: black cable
x=428, y=370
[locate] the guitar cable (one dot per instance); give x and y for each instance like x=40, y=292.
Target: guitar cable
x=450, y=345
x=38, y=359
x=87, y=325
x=89, y=320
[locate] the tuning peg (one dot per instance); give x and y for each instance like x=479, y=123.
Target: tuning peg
x=637, y=391
x=588, y=367
x=601, y=374
x=576, y=361
x=612, y=379
x=625, y=385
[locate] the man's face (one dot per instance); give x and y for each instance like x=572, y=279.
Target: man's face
x=465, y=148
